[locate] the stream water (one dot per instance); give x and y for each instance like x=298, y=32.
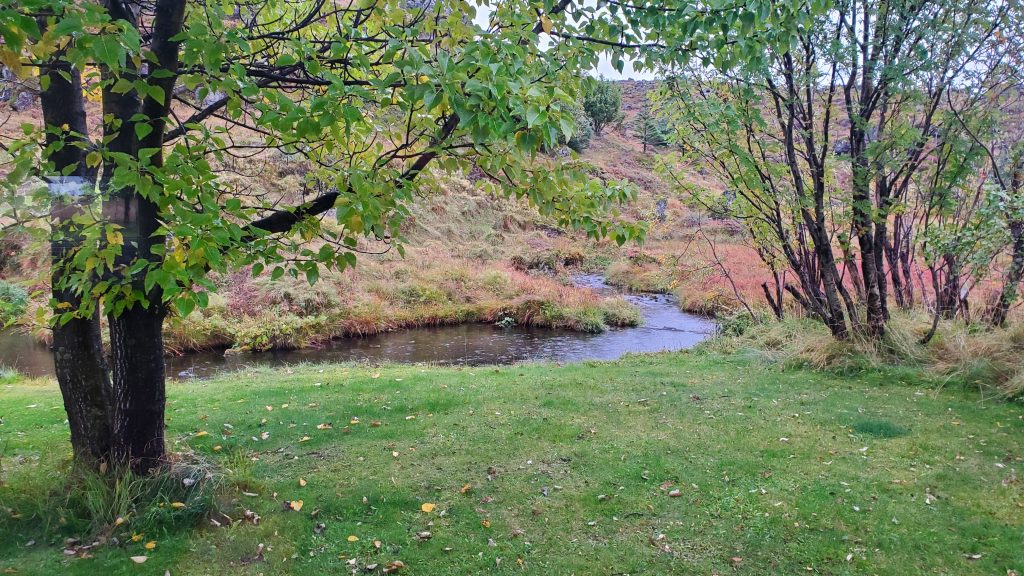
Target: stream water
x=665, y=328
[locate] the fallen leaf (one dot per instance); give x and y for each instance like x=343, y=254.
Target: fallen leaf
x=304, y=439
x=177, y=505
x=428, y=507
x=139, y=559
x=675, y=493
x=202, y=433
x=377, y=375
x=302, y=482
x=486, y=523
x=295, y=505
x=324, y=426
x=353, y=538
x=150, y=545
x=465, y=489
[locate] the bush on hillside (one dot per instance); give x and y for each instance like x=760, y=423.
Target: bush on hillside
x=603, y=103
x=13, y=301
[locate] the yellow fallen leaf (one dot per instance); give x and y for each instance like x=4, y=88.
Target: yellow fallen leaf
x=353, y=538
x=428, y=507
x=324, y=426
x=119, y=521
x=295, y=505
x=217, y=448
x=202, y=433
x=304, y=439
x=302, y=482
x=486, y=523
x=354, y=420
x=139, y=559
x=177, y=505
x=284, y=405
x=136, y=537
x=465, y=489
x=151, y=544
x=377, y=375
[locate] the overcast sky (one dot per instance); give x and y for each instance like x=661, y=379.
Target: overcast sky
x=604, y=68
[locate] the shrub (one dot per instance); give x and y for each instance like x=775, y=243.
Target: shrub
x=583, y=132
x=603, y=103
x=13, y=302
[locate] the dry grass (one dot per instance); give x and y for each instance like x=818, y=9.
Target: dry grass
x=973, y=356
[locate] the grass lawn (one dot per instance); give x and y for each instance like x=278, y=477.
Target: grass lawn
x=668, y=464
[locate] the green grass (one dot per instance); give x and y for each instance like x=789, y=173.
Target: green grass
x=790, y=470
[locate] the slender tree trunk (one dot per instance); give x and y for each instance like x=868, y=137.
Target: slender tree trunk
x=78, y=350
x=863, y=226
x=1011, y=284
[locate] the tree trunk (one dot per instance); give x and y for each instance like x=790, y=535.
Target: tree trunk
x=138, y=402
x=863, y=226
x=78, y=349
x=1014, y=275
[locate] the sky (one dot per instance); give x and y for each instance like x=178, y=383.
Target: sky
x=604, y=68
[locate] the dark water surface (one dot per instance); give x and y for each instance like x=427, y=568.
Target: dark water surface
x=665, y=328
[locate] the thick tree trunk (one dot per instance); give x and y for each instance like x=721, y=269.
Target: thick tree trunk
x=136, y=334
x=138, y=402
x=78, y=350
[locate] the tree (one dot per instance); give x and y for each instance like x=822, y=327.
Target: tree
x=602, y=101
x=367, y=94
x=878, y=71
x=651, y=130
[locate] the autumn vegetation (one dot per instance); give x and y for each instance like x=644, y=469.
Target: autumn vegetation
x=840, y=184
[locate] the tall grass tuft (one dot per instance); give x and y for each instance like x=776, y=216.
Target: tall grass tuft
x=973, y=356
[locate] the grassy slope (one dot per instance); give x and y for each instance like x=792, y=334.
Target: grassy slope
x=769, y=462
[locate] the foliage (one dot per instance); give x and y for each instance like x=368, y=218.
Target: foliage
x=583, y=130
x=602, y=101
x=13, y=302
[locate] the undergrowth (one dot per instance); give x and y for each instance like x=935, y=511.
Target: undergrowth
x=974, y=356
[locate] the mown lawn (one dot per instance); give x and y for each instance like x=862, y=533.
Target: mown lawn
x=547, y=469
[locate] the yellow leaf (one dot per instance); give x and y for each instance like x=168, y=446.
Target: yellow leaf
x=545, y=24
x=486, y=523
x=114, y=238
x=217, y=448
x=136, y=537
x=354, y=420
x=302, y=482
x=377, y=375
x=151, y=544
x=304, y=439
x=428, y=507
x=202, y=433
x=465, y=489
x=353, y=538
x=119, y=521
x=324, y=426
x=295, y=505
x=177, y=505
